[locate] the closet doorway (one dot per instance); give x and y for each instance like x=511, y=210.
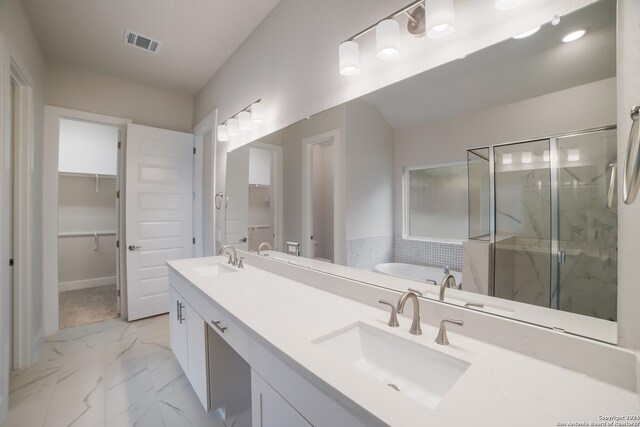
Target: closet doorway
x=88, y=206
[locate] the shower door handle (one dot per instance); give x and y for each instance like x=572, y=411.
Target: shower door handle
x=613, y=166
x=561, y=257
x=631, y=175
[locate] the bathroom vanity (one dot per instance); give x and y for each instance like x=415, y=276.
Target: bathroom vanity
x=305, y=347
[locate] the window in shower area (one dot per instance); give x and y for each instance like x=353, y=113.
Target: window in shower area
x=435, y=202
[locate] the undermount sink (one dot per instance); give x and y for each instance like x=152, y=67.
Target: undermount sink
x=214, y=270
x=418, y=372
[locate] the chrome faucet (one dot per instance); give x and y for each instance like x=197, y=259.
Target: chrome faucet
x=233, y=255
x=264, y=245
x=442, y=338
x=447, y=282
x=415, y=324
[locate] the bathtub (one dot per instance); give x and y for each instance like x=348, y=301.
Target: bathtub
x=415, y=272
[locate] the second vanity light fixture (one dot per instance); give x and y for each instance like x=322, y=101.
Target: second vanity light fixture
x=431, y=17
x=245, y=120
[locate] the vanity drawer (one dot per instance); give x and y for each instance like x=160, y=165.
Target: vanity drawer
x=229, y=331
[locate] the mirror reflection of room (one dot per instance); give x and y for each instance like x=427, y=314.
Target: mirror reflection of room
x=500, y=177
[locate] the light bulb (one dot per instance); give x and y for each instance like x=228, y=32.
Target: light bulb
x=387, y=34
x=349, y=56
x=527, y=33
x=571, y=37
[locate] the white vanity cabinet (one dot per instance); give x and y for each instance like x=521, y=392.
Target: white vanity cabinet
x=189, y=344
x=269, y=409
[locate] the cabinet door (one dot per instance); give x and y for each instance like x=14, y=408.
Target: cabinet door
x=269, y=409
x=178, y=328
x=197, y=374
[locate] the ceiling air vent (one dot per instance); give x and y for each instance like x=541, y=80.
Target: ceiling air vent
x=143, y=42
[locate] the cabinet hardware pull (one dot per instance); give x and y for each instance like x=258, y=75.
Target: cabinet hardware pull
x=217, y=325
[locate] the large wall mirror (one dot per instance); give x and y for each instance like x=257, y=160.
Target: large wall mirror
x=498, y=168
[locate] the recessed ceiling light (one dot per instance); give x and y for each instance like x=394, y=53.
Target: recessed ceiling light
x=571, y=37
x=508, y=4
x=527, y=33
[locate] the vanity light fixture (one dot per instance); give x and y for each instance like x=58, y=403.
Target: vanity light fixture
x=526, y=157
x=508, y=4
x=573, y=36
x=387, y=36
x=527, y=33
x=545, y=156
x=254, y=113
x=439, y=18
x=507, y=159
x=349, y=53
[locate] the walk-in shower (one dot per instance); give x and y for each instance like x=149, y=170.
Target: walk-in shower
x=548, y=207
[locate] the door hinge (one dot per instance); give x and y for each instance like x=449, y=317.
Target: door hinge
x=118, y=292
x=194, y=240
x=11, y=262
x=193, y=195
x=194, y=150
x=119, y=145
x=117, y=243
x=118, y=194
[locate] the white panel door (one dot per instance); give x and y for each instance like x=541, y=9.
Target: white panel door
x=159, y=218
x=237, y=211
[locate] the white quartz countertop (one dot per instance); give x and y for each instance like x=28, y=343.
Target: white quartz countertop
x=500, y=387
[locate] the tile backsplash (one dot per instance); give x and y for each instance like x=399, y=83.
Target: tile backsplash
x=422, y=252
x=366, y=252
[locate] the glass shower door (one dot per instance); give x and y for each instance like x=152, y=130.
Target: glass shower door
x=523, y=228
x=587, y=224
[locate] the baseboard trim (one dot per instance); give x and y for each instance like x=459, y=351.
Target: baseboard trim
x=86, y=284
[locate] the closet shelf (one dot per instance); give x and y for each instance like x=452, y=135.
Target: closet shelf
x=255, y=227
x=85, y=233
x=86, y=175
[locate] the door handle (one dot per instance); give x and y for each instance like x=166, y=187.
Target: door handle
x=243, y=240
x=134, y=247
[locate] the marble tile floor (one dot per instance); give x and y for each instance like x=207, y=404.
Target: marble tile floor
x=114, y=374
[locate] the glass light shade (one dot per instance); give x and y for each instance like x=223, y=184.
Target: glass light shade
x=223, y=134
x=258, y=113
x=527, y=33
x=387, y=36
x=574, y=155
x=233, y=127
x=571, y=37
x=526, y=157
x=508, y=4
x=244, y=120
x=507, y=159
x=349, y=53
x=439, y=18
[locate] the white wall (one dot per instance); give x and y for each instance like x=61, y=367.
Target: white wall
x=323, y=200
x=19, y=43
x=95, y=93
x=369, y=144
x=88, y=148
x=581, y=107
x=628, y=216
